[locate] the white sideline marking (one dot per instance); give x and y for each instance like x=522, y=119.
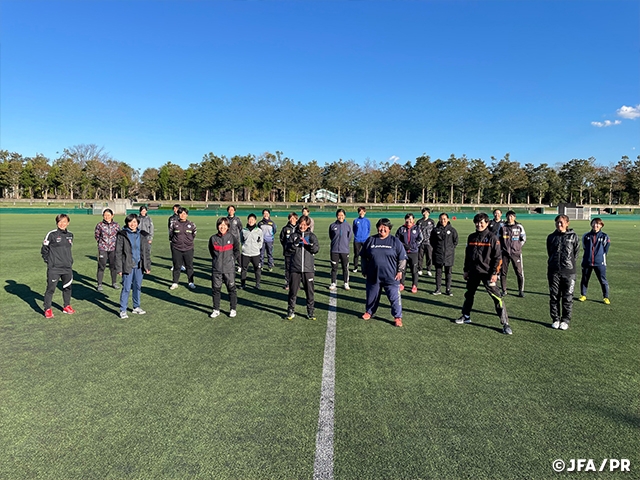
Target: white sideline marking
x=323, y=464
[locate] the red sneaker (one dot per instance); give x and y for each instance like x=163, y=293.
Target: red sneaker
x=398, y=322
x=414, y=289
x=366, y=316
x=68, y=309
x=48, y=313
x=401, y=287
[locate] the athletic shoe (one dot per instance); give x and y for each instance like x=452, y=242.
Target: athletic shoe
x=239, y=269
x=414, y=289
x=366, y=316
x=401, y=287
x=503, y=293
x=215, y=314
x=564, y=326
x=398, y=322
x=99, y=287
x=463, y=319
x=286, y=287
x=270, y=269
x=556, y=324
x=240, y=287
x=606, y=301
x=449, y=293
x=116, y=286
x=521, y=294
x=138, y=311
x=232, y=313
x=506, y=329
x=312, y=317
x=333, y=287
x=291, y=316
x=192, y=285
x=582, y=298
x=48, y=313
x=257, y=286
x=183, y=268
x=69, y=310
x=355, y=270
x=123, y=314
x=437, y=292
x=346, y=286
x=173, y=286
x=419, y=272
x=429, y=274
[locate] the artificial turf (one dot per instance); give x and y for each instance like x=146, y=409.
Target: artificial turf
x=176, y=394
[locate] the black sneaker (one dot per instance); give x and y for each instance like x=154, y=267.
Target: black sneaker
x=449, y=293
x=506, y=329
x=437, y=292
x=503, y=293
x=521, y=294
x=257, y=286
x=463, y=319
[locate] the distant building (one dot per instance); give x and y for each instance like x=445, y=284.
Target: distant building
x=322, y=195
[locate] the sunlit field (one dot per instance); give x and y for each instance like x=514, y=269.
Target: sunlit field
x=176, y=394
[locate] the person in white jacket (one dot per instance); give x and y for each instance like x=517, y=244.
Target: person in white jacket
x=252, y=240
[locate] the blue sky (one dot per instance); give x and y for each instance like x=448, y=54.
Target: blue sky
x=158, y=81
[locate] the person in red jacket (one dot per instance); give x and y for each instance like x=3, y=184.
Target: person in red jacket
x=224, y=248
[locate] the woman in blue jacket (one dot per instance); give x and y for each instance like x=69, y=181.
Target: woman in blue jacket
x=596, y=246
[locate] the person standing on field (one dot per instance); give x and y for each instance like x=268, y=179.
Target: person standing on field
x=563, y=247
x=512, y=238
x=596, y=247
x=56, y=253
x=269, y=228
x=182, y=237
x=340, y=235
x=410, y=235
x=496, y=223
x=105, y=234
x=133, y=260
x=305, y=212
x=285, y=233
x=174, y=218
x=146, y=224
x=301, y=247
x=251, y=247
x=235, y=228
x=444, y=240
x=425, y=253
x=384, y=261
x=482, y=262
x=223, y=248
x=361, y=231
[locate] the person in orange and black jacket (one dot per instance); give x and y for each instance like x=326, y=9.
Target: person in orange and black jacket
x=482, y=262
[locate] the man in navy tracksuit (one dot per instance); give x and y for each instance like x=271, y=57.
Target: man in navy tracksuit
x=340, y=234
x=410, y=235
x=512, y=238
x=596, y=246
x=361, y=232
x=384, y=261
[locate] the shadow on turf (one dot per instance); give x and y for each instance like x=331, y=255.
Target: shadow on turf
x=24, y=292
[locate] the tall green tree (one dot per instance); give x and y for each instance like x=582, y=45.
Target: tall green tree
x=150, y=183
x=578, y=174
x=425, y=175
x=479, y=177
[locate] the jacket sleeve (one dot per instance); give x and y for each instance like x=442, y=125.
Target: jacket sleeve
x=236, y=246
x=195, y=230
x=576, y=246
x=349, y=231
x=170, y=231
x=467, y=257
x=151, y=228
x=607, y=242
x=97, y=232
x=523, y=235
x=283, y=237
x=496, y=258
x=211, y=250
x=44, y=250
x=455, y=237
x=146, y=255
x=420, y=236
x=119, y=253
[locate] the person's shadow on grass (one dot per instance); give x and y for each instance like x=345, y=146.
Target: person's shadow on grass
x=24, y=292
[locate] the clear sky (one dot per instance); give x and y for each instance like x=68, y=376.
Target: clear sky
x=158, y=81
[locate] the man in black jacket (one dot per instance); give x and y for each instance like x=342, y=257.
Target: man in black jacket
x=563, y=246
x=482, y=261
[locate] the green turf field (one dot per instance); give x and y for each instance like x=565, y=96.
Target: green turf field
x=176, y=394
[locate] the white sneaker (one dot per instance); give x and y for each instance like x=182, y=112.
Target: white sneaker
x=183, y=268
x=232, y=313
x=215, y=313
x=173, y=286
x=355, y=270
x=123, y=314
x=564, y=326
x=347, y=287
x=419, y=272
x=239, y=269
x=429, y=274
x=192, y=286
x=555, y=325
x=333, y=287
x=138, y=311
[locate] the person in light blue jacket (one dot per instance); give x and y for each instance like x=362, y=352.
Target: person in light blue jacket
x=361, y=231
x=340, y=234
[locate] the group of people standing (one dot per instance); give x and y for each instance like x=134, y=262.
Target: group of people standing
x=383, y=258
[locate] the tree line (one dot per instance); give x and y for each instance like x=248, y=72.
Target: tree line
x=89, y=172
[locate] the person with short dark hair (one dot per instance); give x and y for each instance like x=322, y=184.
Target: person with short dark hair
x=361, y=231
x=563, y=247
x=301, y=247
x=596, y=247
x=223, y=248
x=444, y=240
x=105, y=234
x=133, y=260
x=496, y=223
x=410, y=235
x=425, y=253
x=269, y=228
x=305, y=212
x=56, y=253
x=340, y=235
x=146, y=223
x=285, y=233
x=384, y=261
x=235, y=228
x=512, y=237
x=182, y=237
x=482, y=262
x=251, y=247
x=174, y=218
